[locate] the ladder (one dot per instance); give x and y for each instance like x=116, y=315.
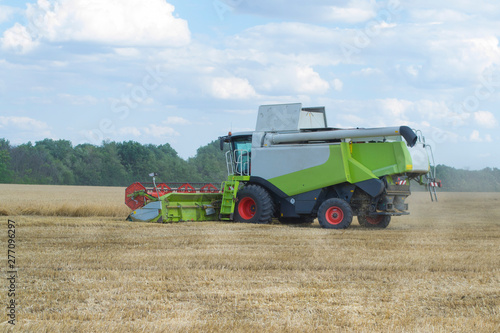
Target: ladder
x=230, y=189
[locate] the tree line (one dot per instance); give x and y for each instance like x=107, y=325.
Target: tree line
x=58, y=162
x=460, y=180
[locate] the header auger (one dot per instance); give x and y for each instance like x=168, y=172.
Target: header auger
x=295, y=168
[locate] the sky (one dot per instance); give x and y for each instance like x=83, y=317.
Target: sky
x=185, y=72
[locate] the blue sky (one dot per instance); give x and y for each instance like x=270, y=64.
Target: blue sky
x=188, y=71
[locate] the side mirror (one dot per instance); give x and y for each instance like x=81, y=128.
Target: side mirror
x=221, y=142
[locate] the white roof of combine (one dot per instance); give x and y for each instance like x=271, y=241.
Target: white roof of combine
x=289, y=117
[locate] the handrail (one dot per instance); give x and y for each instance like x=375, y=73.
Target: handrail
x=236, y=162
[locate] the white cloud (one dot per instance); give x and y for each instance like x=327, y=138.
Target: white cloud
x=384, y=25
x=127, y=52
x=23, y=123
x=159, y=132
x=447, y=54
x=152, y=130
x=231, y=88
x=351, y=119
x=357, y=11
x=129, y=131
x=354, y=11
x=78, y=100
x=392, y=112
x=18, y=40
x=242, y=112
x=453, y=57
x=278, y=43
x=432, y=110
x=485, y=119
x=6, y=13
x=414, y=69
x=112, y=22
x=176, y=120
x=395, y=108
x=22, y=129
x=368, y=71
x=439, y=15
x=337, y=84
x=475, y=136
x=310, y=81
x=287, y=79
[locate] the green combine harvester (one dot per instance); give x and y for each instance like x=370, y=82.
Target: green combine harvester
x=295, y=168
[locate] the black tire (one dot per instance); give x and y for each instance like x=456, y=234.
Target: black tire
x=362, y=221
x=296, y=220
x=374, y=221
x=335, y=214
x=254, y=205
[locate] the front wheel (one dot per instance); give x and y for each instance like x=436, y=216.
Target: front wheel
x=335, y=214
x=254, y=205
x=374, y=221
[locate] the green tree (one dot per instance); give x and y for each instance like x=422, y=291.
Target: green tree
x=5, y=172
x=5, y=169
x=136, y=159
x=210, y=162
x=113, y=172
x=88, y=164
x=32, y=166
x=60, y=152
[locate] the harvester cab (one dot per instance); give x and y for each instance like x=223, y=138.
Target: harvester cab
x=239, y=155
x=295, y=168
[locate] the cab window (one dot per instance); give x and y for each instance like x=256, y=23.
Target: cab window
x=242, y=155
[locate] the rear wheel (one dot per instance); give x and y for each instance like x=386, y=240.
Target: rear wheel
x=374, y=221
x=335, y=214
x=254, y=205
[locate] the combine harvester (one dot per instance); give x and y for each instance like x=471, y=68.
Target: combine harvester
x=295, y=168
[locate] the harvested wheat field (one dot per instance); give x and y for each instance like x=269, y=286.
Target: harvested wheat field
x=83, y=268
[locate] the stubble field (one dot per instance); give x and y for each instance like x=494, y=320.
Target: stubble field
x=83, y=268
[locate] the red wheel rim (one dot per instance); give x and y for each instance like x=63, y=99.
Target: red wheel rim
x=247, y=208
x=374, y=219
x=334, y=215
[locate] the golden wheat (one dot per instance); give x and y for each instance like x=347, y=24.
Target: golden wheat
x=71, y=201
x=433, y=271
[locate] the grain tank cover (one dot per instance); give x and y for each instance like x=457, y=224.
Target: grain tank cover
x=289, y=117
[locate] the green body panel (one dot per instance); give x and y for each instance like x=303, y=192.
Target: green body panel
x=177, y=207
x=350, y=163
x=230, y=190
x=331, y=172
x=383, y=158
